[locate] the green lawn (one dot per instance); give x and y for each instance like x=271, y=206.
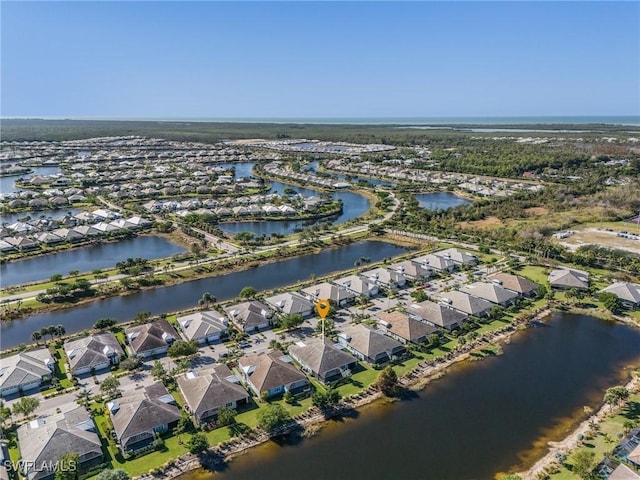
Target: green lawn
x=606, y=438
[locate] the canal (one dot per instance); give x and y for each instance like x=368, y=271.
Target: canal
x=8, y=184
x=86, y=259
x=440, y=200
x=185, y=295
x=480, y=419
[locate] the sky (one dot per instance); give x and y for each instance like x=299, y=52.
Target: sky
x=319, y=59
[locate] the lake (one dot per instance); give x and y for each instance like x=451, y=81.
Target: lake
x=86, y=259
x=8, y=184
x=185, y=295
x=480, y=419
x=14, y=217
x=440, y=200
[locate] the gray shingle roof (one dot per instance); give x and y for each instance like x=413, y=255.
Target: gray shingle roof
x=92, y=350
x=270, y=370
x=151, y=335
x=321, y=356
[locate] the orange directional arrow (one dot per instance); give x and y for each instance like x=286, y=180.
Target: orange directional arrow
x=323, y=308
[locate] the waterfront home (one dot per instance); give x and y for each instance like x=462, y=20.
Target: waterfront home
x=25, y=371
x=93, y=353
x=465, y=303
x=358, y=284
x=436, y=314
x=411, y=269
x=404, y=328
x=208, y=326
x=48, y=238
x=628, y=293
x=151, y=339
x=323, y=359
x=6, y=247
x=386, y=277
x=271, y=374
x=87, y=230
x=434, y=262
x=622, y=472
x=250, y=316
x=515, y=283
x=328, y=291
x=44, y=440
x=141, y=414
x=567, y=278
x=459, y=257
x=68, y=234
x=290, y=303
x=491, y=292
x=369, y=345
x=628, y=447
x=22, y=244
x=206, y=391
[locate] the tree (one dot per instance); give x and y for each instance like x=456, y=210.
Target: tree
x=387, y=382
x=325, y=401
x=74, y=273
x=198, y=443
x=328, y=324
x=66, y=468
x=36, y=337
x=291, y=320
x=434, y=340
x=83, y=397
x=616, y=395
x=5, y=413
x=60, y=331
x=158, y=372
x=248, y=292
x=117, y=474
x=183, y=348
x=226, y=416
x=419, y=295
x=109, y=385
x=206, y=299
x=611, y=302
x=583, y=463
x=272, y=416
x=131, y=363
x=26, y=406
x=56, y=277
x=511, y=476
x=103, y=323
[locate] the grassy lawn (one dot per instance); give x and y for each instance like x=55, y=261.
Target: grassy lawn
x=363, y=377
x=535, y=274
x=61, y=368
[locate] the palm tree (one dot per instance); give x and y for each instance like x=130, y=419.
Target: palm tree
x=60, y=330
x=84, y=396
x=206, y=299
x=36, y=336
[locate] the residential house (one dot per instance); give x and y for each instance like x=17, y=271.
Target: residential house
x=467, y=304
x=44, y=440
x=434, y=262
x=328, y=291
x=204, y=327
x=93, y=353
x=567, y=278
x=622, y=472
x=206, y=391
x=411, y=269
x=250, y=316
x=323, y=359
x=515, y=283
x=386, y=277
x=359, y=285
x=151, y=339
x=404, y=328
x=491, y=292
x=25, y=371
x=142, y=414
x=459, y=257
x=628, y=293
x=271, y=374
x=369, y=345
x=290, y=303
x=436, y=314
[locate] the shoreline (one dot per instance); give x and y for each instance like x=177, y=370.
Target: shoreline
x=312, y=421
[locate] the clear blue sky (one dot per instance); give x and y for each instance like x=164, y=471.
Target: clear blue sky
x=324, y=59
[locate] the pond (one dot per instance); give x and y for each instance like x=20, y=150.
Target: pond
x=86, y=259
x=185, y=295
x=440, y=200
x=480, y=419
x=8, y=184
